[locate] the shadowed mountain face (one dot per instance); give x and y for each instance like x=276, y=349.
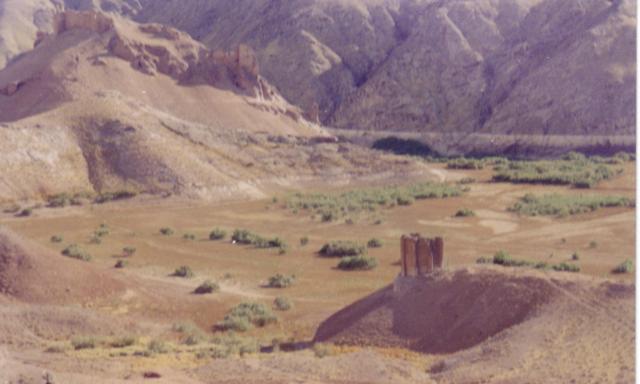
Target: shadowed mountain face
x=536, y=67
x=490, y=66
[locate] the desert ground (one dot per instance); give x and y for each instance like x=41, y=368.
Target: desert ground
x=568, y=326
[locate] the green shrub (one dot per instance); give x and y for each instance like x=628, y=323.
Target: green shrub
x=466, y=180
x=58, y=201
x=575, y=256
x=166, y=231
x=374, y=243
x=281, y=281
x=626, y=266
x=189, y=236
x=123, y=342
x=304, y=241
x=207, y=286
x=56, y=239
x=244, y=315
x=75, y=252
x=183, y=271
x=243, y=236
x=282, y=303
x=342, y=249
x=83, y=343
x=351, y=263
x=566, y=267
x=217, y=234
x=593, y=244
x=157, y=346
x=113, y=196
x=465, y=212
x=121, y=264
x=128, y=251
x=563, y=205
x=462, y=163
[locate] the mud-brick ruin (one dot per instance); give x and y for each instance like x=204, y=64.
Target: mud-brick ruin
x=420, y=255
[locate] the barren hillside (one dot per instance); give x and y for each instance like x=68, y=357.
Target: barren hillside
x=104, y=104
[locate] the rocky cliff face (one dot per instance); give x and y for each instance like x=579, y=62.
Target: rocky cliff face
x=489, y=66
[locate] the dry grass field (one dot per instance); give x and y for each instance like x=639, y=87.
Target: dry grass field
x=145, y=301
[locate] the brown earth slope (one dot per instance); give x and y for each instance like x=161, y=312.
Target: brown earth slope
x=104, y=104
x=499, y=318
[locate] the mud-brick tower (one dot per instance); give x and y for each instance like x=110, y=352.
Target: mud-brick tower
x=420, y=255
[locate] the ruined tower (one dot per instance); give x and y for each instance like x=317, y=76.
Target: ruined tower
x=420, y=255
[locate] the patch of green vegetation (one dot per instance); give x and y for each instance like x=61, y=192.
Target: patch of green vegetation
x=83, y=343
x=463, y=163
x=184, y=271
x=166, y=231
x=123, y=342
x=563, y=205
x=75, y=252
x=217, y=234
x=304, y=241
x=243, y=236
x=232, y=345
x=208, y=286
x=566, y=267
x=189, y=236
x=504, y=259
x=466, y=180
x=281, y=281
x=56, y=239
x=351, y=263
x=375, y=243
x=245, y=315
x=465, y=212
x=128, y=251
x=342, y=249
x=121, y=264
x=573, y=169
x=157, y=346
x=114, y=196
x=281, y=303
x=626, y=266
x=332, y=207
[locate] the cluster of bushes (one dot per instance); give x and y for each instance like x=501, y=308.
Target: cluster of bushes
x=351, y=263
x=246, y=315
x=243, y=236
x=563, y=205
x=504, y=259
x=626, y=266
x=475, y=163
x=574, y=169
x=208, y=286
x=63, y=199
x=332, y=207
x=281, y=281
x=184, y=271
x=217, y=234
x=282, y=303
x=166, y=231
x=113, y=196
x=374, y=243
x=465, y=212
x=56, y=239
x=75, y=252
x=342, y=249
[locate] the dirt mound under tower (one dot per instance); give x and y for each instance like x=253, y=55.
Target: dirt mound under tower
x=444, y=312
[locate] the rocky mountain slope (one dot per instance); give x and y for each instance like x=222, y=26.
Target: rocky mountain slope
x=517, y=66
x=492, y=67
x=104, y=104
